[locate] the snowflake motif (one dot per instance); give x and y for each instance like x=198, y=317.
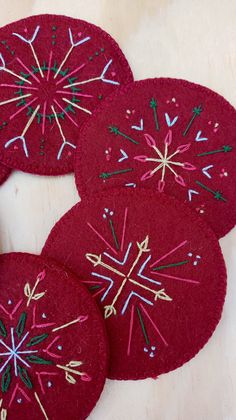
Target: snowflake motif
x=164, y=161
x=16, y=353
x=129, y=282
x=21, y=350
x=142, y=248
x=46, y=98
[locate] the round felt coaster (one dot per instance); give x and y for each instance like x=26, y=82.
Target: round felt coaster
x=170, y=135
x=4, y=173
x=156, y=271
x=53, y=346
x=54, y=70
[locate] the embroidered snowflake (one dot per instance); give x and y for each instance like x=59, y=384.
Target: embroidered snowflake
x=22, y=350
x=49, y=91
x=164, y=157
x=130, y=277
x=165, y=161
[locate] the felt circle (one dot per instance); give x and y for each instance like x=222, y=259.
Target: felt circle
x=4, y=173
x=53, y=346
x=156, y=271
x=170, y=135
x=54, y=70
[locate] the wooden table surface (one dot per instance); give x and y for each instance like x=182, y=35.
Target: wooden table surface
x=190, y=39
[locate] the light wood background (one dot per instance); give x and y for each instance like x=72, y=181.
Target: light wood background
x=191, y=39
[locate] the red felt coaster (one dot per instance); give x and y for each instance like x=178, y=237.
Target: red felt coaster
x=4, y=173
x=156, y=271
x=170, y=135
x=53, y=347
x=54, y=70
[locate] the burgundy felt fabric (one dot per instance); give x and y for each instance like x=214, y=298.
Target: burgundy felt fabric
x=156, y=271
x=60, y=343
x=169, y=135
x=66, y=67
x=4, y=173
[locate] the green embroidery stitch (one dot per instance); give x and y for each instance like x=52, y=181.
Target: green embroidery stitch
x=196, y=112
x=8, y=48
x=6, y=379
x=3, y=125
x=36, y=340
x=42, y=147
x=114, y=233
x=3, y=331
x=217, y=194
x=54, y=69
x=161, y=267
x=116, y=131
x=54, y=28
x=143, y=327
x=71, y=80
x=25, y=75
x=38, y=360
x=106, y=175
x=21, y=103
x=21, y=324
x=25, y=377
x=225, y=149
x=96, y=54
x=153, y=105
x=95, y=287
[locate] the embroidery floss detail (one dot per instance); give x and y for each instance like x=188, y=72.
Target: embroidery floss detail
x=144, y=266
x=29, y=353
x=156, y=144
x=49, y=92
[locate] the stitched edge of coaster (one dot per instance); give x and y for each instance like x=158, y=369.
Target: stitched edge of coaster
x=69, y=167
x=17, y=256
x=208, y=234
x=4, y=173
